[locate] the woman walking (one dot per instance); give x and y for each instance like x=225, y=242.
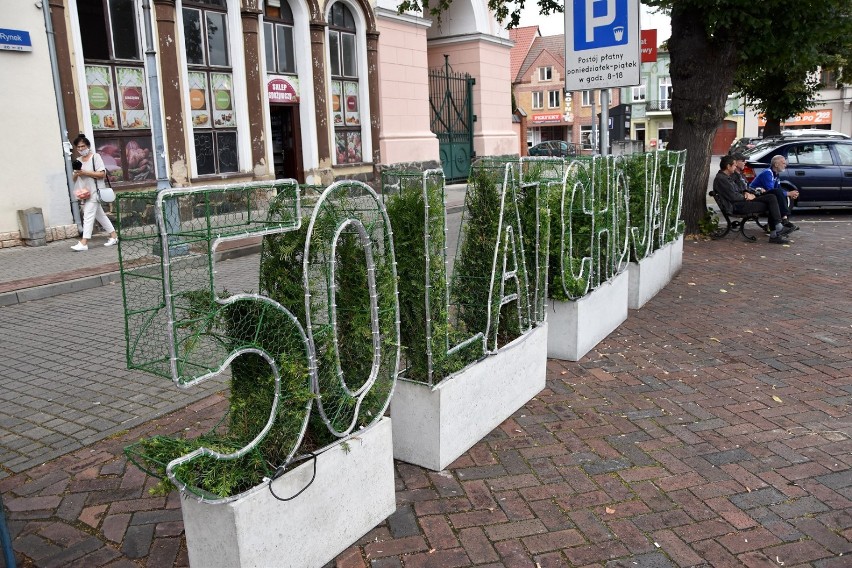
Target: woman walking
x=85, y=188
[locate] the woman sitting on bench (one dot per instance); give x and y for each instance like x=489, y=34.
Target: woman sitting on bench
x=744, y=202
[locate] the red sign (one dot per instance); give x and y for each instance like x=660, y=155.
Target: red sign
x=648, y=47
x=281, y=91
x=132, y=98
x=547, y=118
x=804, y=119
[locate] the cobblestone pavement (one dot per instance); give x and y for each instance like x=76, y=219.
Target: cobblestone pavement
x=713, y=428
x=63, y=377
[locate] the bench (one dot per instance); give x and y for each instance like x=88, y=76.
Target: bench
x=736, y=221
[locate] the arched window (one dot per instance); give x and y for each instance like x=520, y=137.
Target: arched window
x=278, y=37
x=345, y=99
x=116, y=89
x=210, y=78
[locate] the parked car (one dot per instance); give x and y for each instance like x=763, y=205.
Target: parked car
x=819, y=168
x=553, y=148
x=743, y=144
x=813, y=133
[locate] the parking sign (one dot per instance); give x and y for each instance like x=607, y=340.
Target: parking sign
x=601, y=44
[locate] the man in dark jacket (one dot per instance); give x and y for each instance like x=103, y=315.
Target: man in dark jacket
x=743, y=202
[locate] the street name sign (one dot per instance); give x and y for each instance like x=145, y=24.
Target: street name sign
x=601, y=44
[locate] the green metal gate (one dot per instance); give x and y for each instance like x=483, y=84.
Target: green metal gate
x=450, y=99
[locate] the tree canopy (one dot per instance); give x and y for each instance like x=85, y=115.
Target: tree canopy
x=767, y=50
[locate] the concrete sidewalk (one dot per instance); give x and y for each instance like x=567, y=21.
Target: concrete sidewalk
x=713, y=428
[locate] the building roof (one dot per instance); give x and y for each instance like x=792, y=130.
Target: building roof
x=523, y=38
x=554, y=45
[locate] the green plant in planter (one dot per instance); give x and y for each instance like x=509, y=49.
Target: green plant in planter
x=328, y=288
x=591, y=213
x=434, y=347
x=490, y=285
x=642, y=174
x=671, y=170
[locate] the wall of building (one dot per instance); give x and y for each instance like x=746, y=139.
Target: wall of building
x=34, y=159
x=404, y=89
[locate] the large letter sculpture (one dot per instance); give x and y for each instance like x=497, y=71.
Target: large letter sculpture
x=593, y=218
x=178, y=325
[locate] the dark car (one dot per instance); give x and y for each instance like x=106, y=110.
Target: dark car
x=553, y=148
x=743, y=144
x=819, y=168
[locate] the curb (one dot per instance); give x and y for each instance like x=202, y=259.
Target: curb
x=78, y=284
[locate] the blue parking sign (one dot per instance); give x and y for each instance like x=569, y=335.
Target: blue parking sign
x=600, y=23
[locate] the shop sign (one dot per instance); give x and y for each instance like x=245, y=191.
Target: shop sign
x=648, y=46
x=281, y=90
x=15, y=40
x=805, y=119
x=540, y=118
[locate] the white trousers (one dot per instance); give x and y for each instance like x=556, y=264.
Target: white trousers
x=92, y=211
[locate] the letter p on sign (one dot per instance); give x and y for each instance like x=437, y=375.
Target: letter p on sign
x=600, y=23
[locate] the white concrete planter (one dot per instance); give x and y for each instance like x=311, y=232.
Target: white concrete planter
x=652, y=274
x=648, y=276
x=434, y=426
x=576, y=327
x=352, y=493
x=676, y=249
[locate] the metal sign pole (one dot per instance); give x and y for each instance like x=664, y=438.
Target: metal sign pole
x=604, y=122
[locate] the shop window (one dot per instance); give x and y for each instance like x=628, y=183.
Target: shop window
x=115, y=84
x=545, y=73
x=278, y=37
x=537, y=100
x=210, y=85
x=345, y=99
x=553, y=99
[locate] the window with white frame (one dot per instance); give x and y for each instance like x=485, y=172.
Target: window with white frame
x=116, y=88
x=545, y=73
x=638, y=94
x=537, y=100
x=345, y=99
x=665, y=93
x=278, y=37
x=586, y=99
x=553, y=99
x=210, y=84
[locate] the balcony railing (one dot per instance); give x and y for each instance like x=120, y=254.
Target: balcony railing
x=664, y=105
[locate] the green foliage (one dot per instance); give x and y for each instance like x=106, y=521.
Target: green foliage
x=644, y=204
x=410, y=219
x=709, y=223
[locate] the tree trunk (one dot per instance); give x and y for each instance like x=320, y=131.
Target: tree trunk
x=772, y=128
x=702, y=71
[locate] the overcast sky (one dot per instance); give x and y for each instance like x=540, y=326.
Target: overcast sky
x=554, y=24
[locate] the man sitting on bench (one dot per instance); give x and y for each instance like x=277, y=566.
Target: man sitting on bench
x=744, y=202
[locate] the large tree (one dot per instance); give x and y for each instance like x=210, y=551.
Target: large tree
x=711, y=44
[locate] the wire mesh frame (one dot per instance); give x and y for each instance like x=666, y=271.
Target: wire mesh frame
x=169, y=219
x=187, y=228
x=175, y=234
x=643, y=237
x=672, y=197
x=513, y=246
x=600, y=176
x=428, y=183
x=326, y=273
